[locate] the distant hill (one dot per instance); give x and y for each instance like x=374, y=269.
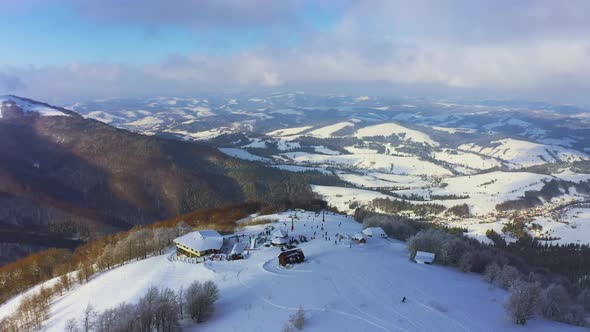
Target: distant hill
x=65, y=178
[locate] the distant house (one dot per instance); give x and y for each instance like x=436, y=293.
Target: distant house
x=374, y=232
x=423, y=257
x=359, y=238
x=293, y=256
x=199, y=243
x=237, y=251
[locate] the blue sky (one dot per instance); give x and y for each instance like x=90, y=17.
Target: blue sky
x=55, y=35
x=537, y=49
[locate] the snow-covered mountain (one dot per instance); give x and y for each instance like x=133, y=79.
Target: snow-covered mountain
x=433, y=151
x=14, y=106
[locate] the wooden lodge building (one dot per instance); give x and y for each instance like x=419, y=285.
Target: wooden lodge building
x=199, y=243
x=293, y=256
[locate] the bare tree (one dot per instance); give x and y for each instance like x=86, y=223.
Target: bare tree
x=147, y=307
x=181, y=302
x=125, y=316
x=71, y=325
x=298, y=318
x=522, y=301
x=166, y=313
x=507, y=276
x=492, y=272
x=88, y=318
x=65, y=282
x=200, y=300
x=108, y=257
x=555, y=304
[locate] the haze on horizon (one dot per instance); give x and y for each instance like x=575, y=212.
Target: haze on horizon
x=67, y=49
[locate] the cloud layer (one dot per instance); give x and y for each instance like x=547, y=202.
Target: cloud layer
x=533, y=49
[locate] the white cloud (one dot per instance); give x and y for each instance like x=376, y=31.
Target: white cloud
x=498, y=46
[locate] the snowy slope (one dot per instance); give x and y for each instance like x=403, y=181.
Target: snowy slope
x=341, y=288
x=242, y=154
x=466, y=159
x=374, y=162
x=388, y=129
x=328, y=131
x=288, y=131
x=30, y=106
x=103, y=116
x=523, y=153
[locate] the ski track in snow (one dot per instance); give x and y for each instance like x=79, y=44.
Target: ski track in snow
x=269, y=302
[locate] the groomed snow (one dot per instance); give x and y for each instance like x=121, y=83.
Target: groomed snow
x=342, y=289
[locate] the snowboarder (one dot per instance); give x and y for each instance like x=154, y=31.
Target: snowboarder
x=404, y=299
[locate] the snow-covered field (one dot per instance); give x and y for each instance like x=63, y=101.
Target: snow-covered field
x=466, y=159
x=341, y=288
x=523, y=153
x=373, y=162
x=388, y=129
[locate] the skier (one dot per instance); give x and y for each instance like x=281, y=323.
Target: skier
x=404, y=299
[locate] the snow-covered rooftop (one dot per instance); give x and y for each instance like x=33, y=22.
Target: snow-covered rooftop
x=424, y=257
x=374, y=231
x=279, y=233
x=201, y=240
x=239, y=248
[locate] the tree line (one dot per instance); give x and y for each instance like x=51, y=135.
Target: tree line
x=396, y=206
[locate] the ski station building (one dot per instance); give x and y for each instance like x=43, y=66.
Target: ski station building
x=199, y=243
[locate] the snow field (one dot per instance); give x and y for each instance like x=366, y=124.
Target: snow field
x=342, y=288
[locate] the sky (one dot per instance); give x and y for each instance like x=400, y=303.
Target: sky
x=492, y=49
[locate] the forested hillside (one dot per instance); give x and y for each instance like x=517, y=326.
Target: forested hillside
x=66, y=177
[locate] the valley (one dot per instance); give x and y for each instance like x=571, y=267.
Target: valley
x=485, y=155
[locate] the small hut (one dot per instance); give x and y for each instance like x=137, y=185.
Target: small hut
x=293, y=256
x=423, y=257
x=359, y=238
x=375, y=232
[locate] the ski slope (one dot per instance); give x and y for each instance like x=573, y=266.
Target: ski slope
x=342, y=288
